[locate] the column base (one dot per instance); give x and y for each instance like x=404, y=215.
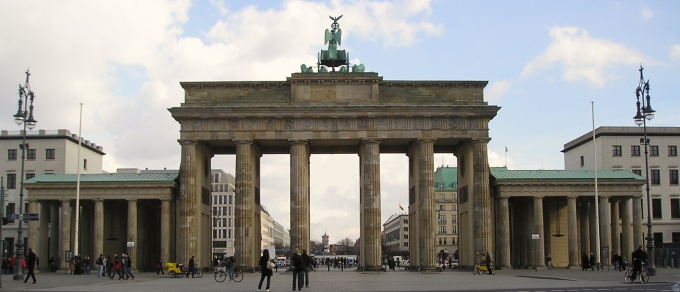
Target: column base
x=373, y=268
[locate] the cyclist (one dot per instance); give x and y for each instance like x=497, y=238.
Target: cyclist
x=639, y=256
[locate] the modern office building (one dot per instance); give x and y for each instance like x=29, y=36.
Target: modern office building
x=622, y=148
x=223, y=213
x=395, y=235
x=48, y=152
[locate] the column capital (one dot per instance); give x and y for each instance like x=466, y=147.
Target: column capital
x=370, y=140
x=538, y=197
x=131, y=200
x=298, y=141
x=187, y=141
x=98, y=199
x=485, y=140
x=426, y=140
x=243, y=141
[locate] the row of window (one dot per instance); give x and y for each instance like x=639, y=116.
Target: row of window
x=635, y=150
x=442, y=219
x=657, y=210
x=12, y=179
x=442, y=229
x=655, y=176
x=442, y=241
x=30, y=154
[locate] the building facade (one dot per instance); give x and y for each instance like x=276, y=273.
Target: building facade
x=48, y=152
x=396, y=236
x=622, y=148
x=445, y=188
x=223, y=213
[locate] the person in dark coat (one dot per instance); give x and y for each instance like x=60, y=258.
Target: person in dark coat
x=298, y=269
x=592, y=262
x=308, y=265
x=30, y=263
x=488, y=263
x=192, y=265
x=584, y=262
x=266, y=272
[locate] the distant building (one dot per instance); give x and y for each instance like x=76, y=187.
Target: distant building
x=223, y=212
x=48, y=152
x=395, y=235
x=446, y=191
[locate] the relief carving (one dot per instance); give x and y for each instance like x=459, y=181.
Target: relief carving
x=288, y=125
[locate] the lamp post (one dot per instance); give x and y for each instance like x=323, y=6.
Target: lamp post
x=644, y=113
x=216, y=220
x=24, y=116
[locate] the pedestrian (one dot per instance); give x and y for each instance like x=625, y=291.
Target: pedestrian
x=488, y=263
x=638, y=256
x=584, y=262
x=307, y=262
x=592, y=262
x=30, y=263
x=192, y=264
x=123, y=266
x=109, y=267
x=229, y=265
x=615, y=261
x=100, y=266
x=548, y=259
x=265, y=269
x=128, y=267
x=298, y=269
x=160, y=266
x=621, y=263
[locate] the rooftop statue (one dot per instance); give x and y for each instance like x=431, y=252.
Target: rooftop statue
x=333, y=37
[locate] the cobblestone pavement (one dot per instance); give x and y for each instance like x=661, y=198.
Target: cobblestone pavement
x=350, y=280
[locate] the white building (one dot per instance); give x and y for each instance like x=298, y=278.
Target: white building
x=223, y=212
x=621, y=148
x=48, y=152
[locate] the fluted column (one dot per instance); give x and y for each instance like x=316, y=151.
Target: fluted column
x=32, y=240
x=55, y=231
x=99, y=227
x=65, y=236
x=299, y=194
x=538, y=228
x=482, y=198
x=244, y=207
x=187, y=226
x=626, y=228
x=584, y=226
x=572, y=233
x=605, y=229
x=369, y=160
x=616, y=246
x=43, y=233
x=165, y=229
x=637, y=222
x=503, y=233
x=132, y=231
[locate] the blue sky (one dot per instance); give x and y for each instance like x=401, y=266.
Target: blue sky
x=545, y=62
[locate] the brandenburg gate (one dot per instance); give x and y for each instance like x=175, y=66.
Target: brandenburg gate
x=345, y=111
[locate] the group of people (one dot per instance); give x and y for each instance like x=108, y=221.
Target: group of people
x=110, y=266
x=587, y=262
x=301, y=264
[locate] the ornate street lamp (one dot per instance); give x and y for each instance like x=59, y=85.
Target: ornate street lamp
x=644, y=113
x=24, y=116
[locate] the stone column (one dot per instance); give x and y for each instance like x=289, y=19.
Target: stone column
x=605, y=229
x=32, y=240
x=481, y=198
x=165, y=230
x=299, y=194
x=43, y=236
x=572, y=233
x=55, y=235
x=538, y=228
x=369, y=159
x=584, y=226
x=98, y=228
x=244, y=205
x=132, y=231
x=65, y=236
x=188, y=221
x=616, y=246
x=626, y=234
x=637, y=223
x=503, y=233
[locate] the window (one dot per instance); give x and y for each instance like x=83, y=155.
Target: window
x=637, y=171
x=635, y=150
x=675, y=208
x=616, y=150
x=30, y=175
x=49, y=153
x=656, y=208
x=405, y=221
x=440, y=241
x=406, y=243
x=676, y=237
x=658, y=238
x=11, y=181
x=453, y=197
x=84, y=164
x=453, y=240
x=444, y=240
x=441, y=208
x=441, y=197
x=655, y=176
x=673, y=151
x=406, y=229
x=30, y=154
x=10, y=209
x=653, y=150
x=454, y=218
x=453, y=207
x=442, y=219
x=216, y=178
x=583, y=161
x=11, y=154
x=405, y=236
x=442, y=230
x=673, y=176
x=454, y=230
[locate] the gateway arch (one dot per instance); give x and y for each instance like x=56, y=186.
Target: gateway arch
x=333, y=113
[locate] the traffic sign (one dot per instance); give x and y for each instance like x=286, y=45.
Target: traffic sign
x=535, y=236
x=31, y=217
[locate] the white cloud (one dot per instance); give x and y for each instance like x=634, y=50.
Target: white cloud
x=647, y=14
x=581, y=57
x=675, y=52
x=497, y=91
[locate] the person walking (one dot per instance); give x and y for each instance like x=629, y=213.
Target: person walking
x=548, y=260
x=592, y=262
x=100, y=266
x=584, y=262
x=192, y=264
x=298, y=269
x=30, y=264
x=128, y=267
x=307, y=261
x=488, y=263
x=109, y=267
x=160, y=266
x=265, y=270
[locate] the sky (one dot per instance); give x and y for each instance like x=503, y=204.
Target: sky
x=549, y=65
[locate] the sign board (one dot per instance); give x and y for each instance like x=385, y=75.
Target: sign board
x=534, y=236
x=31, y=217
x=130, y=244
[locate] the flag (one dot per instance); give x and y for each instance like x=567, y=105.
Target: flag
x=401, y=208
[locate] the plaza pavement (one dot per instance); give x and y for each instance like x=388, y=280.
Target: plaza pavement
x=348, y=280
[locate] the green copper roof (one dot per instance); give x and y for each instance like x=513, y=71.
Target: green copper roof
x=104, y=177
x=506, y=174
x=447, y=177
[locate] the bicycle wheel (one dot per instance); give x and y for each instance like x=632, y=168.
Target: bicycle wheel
x=626, y=276
x=220, y=276
x=475, y=270
x=171, y=274
x=198, y=273
x=238, y=276
x=644, y=277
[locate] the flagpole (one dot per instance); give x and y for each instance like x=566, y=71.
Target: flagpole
x=80, y=139
x=506, y=156
x=597, y=204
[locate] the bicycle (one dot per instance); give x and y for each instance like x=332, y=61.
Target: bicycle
x=642, y=276
x=221, y=275
x=479, y=269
